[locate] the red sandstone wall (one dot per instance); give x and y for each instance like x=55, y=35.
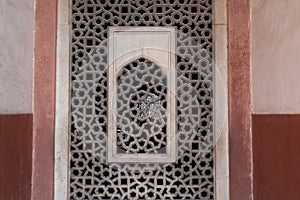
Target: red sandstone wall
x=276, y=155
x=15, y=156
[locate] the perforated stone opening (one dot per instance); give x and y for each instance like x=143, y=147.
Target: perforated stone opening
x=141, y=108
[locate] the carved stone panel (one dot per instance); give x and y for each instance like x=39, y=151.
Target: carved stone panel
x=142, y=74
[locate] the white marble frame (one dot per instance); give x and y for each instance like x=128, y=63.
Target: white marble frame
x=61, y=172
x=221, y=100
x=162, y=53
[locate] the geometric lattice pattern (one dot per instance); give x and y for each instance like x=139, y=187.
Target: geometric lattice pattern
x=141, y=110
x=191, y=176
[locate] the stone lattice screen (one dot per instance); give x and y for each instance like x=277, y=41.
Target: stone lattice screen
x=142, y=108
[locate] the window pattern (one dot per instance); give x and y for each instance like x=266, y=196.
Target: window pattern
x=191, y=175
x=141, y=108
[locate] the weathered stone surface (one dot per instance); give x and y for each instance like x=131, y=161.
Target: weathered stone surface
x=275, y=41
x=16, y=52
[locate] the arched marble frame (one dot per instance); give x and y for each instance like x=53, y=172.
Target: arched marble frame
x=124, y=47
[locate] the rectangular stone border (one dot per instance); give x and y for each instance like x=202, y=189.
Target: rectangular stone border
x=63, y=104
x=43, y=99
x=239, y=91
x=221, y=160
x=238, y=16
x=221, y=148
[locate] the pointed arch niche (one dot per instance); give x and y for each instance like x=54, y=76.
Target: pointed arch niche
x=147, y=54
